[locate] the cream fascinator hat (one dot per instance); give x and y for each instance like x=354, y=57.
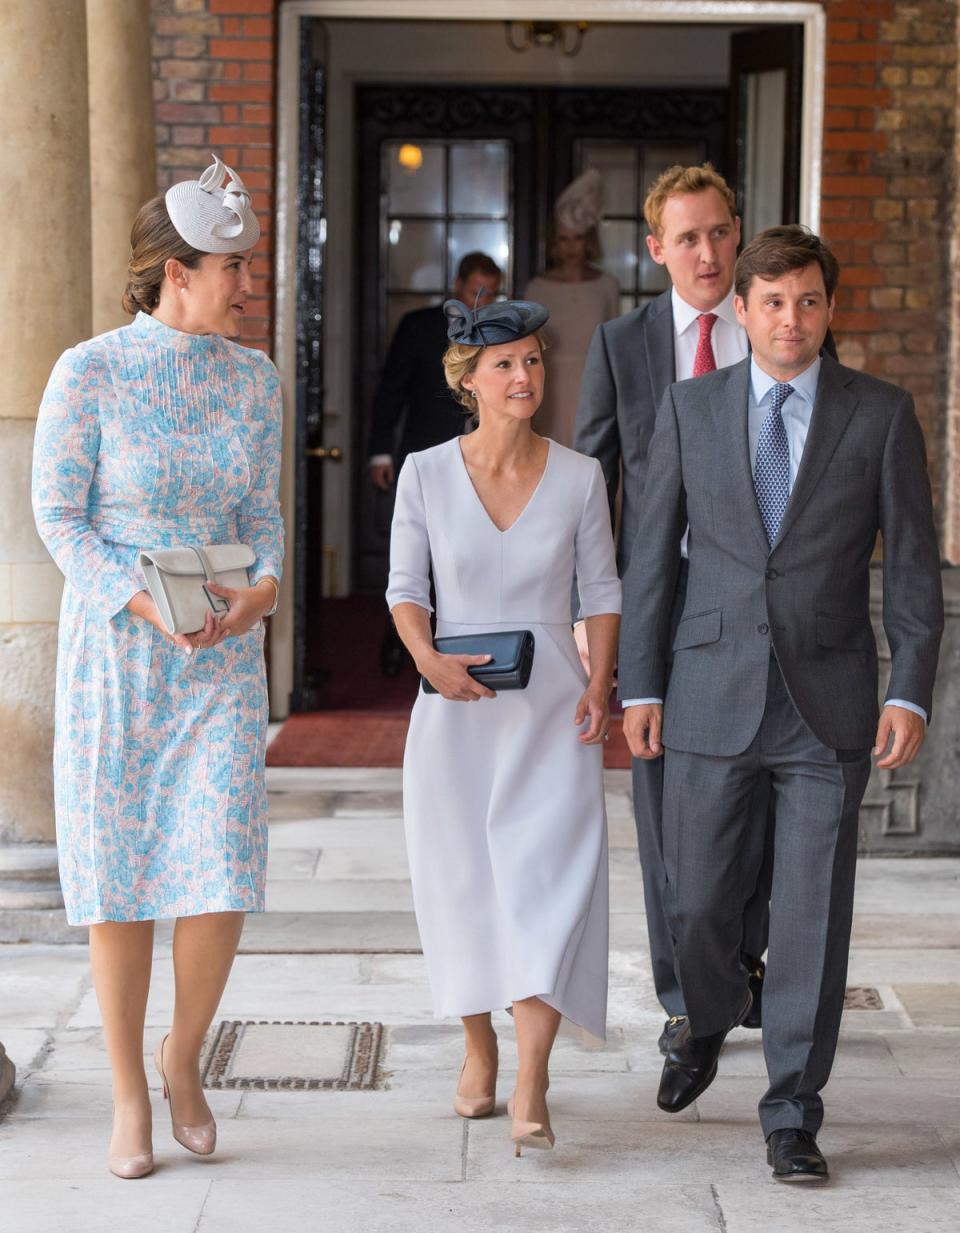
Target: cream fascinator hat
x=211, y=218
x=579, y=207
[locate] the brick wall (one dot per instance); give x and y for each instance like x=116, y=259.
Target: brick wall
x=888, y=193
x=213, y=66
x=888, y=190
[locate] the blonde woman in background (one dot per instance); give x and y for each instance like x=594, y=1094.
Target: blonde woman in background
x=578, y=295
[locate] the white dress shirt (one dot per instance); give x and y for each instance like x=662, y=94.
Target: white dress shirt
x=728, y=337
x=797, y=411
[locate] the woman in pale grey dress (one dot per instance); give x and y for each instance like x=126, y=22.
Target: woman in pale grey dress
x=503, y=801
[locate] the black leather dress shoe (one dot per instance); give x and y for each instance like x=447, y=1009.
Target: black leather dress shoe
x=757, y=969
x=669, y=1033
x=691, y=1064
x=795, y=1157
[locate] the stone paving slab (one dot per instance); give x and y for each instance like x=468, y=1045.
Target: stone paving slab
x=290, y=932
x=457, y=1208
x=98, y=1204
x=877, y=1208
x=931, y=1005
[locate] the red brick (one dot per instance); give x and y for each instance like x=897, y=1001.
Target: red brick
x=857, y=231
x=258, y=27
x=231, y=114
x=233, y=71
x=254, y=70
x=862, y=276
x=860, y=322
x=257, y=115
x=241, y=49
x=854, y=140
x=854, y=186
x=845, y=207
x=842, y=31
x=875, y=53
x=241, y=6
x=246, y=93
x=187, y=113
x=850, y=96
x=242, y=134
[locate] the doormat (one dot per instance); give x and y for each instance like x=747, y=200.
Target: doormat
x=261, y=1056
x=372, y=738
x=861, y=997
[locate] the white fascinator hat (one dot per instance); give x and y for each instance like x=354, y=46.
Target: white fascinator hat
x=579, y=207
x=214, y=214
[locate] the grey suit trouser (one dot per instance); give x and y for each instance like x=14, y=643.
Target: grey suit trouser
x=647, y=816
x=711, y=871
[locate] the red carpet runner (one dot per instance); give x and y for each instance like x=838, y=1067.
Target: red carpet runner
x=364, y=717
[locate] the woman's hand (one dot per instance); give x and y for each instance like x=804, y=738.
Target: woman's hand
x=449, y=676
x=142, y=605
x=248, y=605
x=595, y=706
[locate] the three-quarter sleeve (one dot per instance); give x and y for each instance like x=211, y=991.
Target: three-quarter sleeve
x=259, y=522
x=597, y=579
x=66, y=449
x=409, y=581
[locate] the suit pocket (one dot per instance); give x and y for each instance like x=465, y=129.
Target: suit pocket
x=844, y=468
x=698, y=630
x=843, y=633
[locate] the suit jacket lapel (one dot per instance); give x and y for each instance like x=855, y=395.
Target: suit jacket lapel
x=729, y=404
x=832, y=409
x=658, y=339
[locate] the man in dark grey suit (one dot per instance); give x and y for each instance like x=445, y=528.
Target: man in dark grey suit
x=690, y=330
x=785, y=467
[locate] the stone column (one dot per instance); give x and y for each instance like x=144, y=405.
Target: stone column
x=123, y=172
x=44, y=308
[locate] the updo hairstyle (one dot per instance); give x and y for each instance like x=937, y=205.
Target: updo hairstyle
x=460, y=360
x=153, y=241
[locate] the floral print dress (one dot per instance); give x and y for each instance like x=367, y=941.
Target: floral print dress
x=151, y=438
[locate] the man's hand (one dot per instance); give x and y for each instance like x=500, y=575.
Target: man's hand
x=908, y=731
x=382, y=475
x=642, y=726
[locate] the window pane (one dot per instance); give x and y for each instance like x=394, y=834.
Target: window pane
x=658, y=156
x=490, y=238
x=653, y=277
x=627, y=303
x=414, y=178
x=618, y=166
x=766, y=100
x=415, y=261
x=478, y=177
x=619, y=242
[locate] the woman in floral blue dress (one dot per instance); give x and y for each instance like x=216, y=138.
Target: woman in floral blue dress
x=157, y=435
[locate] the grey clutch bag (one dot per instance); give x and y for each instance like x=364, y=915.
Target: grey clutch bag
x=177, y=581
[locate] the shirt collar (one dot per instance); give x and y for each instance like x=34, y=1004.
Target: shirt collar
x=685, y=314
x=804, y=383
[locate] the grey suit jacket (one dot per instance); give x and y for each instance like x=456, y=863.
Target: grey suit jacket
x=863, y=471
x=628, y=367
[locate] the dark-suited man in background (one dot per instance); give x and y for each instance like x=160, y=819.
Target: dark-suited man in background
x=688, y=331
x=413, y=408
x=785, y=467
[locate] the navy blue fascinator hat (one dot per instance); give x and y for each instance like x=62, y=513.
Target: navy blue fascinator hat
x=503, y=322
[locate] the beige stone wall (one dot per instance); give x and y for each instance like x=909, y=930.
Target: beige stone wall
x=44, y=308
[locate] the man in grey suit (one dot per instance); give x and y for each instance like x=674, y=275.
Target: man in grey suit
x=785, y=467
x=687, y=331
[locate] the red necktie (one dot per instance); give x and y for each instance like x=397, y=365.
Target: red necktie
x=703, y=361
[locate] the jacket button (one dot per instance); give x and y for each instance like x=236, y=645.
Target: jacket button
x=763, y=629
x=772, y=573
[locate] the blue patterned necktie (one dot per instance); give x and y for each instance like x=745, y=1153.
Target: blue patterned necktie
x=771, y=471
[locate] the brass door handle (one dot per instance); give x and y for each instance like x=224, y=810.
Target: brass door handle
x=333, y=454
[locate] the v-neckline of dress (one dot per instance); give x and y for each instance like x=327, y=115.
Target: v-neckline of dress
x=530, y=500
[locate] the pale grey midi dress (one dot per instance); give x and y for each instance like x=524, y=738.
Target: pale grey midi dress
x=503, y=806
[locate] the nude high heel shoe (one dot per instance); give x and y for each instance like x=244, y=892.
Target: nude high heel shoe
x=130, y=1166
x=201, y=1140
x=529, y=1134
x=472, y=1106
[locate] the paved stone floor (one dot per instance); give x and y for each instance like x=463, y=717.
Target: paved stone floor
x=339, y=943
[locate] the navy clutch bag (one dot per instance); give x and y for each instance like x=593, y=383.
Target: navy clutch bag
x=512, y=652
